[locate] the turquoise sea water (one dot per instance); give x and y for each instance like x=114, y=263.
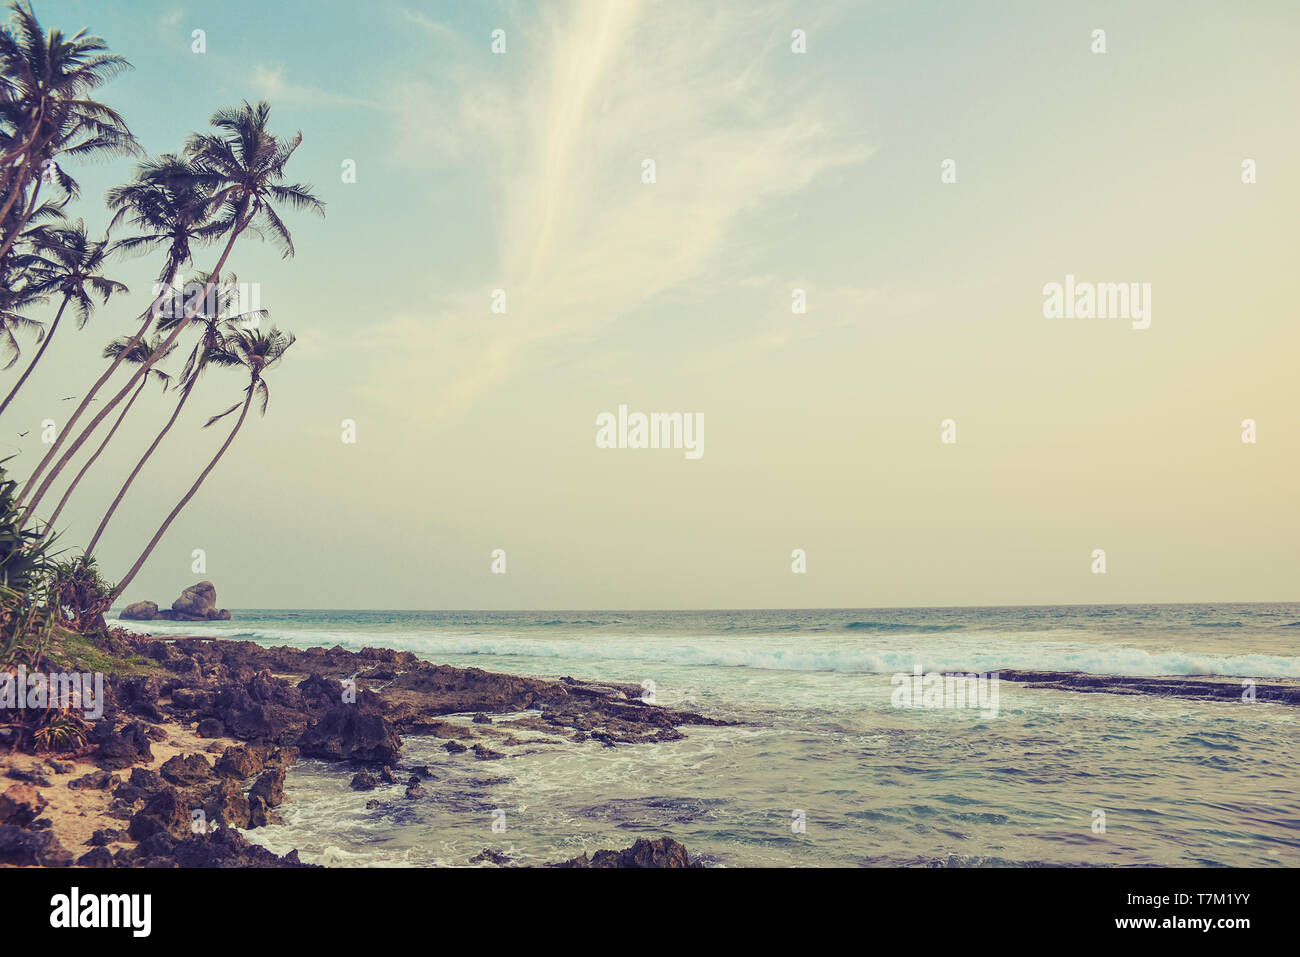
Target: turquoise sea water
x=1177, y=781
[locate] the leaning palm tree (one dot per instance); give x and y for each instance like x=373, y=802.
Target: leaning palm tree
x=47, y=109
x=256, y=351
x=167, y=204
x=216, y=323
x=137, y=352
x=17, y=293
x=243, y=163
x=70, y=265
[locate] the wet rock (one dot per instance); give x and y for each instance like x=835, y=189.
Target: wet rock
x=210, y=728
x=481, y=718
x=454, y=747
x=364, y=781
x=486, y=754
x=260, y=814
x=269, y=787
x=227, y=805
x=664, y=852
x=490, y=856
x=414, y=791
x=345, y=732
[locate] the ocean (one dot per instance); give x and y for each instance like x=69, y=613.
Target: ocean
x=821, y=769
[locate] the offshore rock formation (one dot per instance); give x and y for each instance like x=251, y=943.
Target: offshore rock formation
x=196, y=603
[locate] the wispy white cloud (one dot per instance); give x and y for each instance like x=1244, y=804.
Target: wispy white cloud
x=707, y=91
x=272, y=82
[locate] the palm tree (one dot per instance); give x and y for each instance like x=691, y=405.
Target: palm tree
x=167, y=203
x=243, y=163
x=216, y=325
x=17, y=293
x=256, y=351
x=71, y=263
x=137, y=352
x=47, y=112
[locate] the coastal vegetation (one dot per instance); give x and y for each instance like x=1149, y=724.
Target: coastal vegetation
x=222, y=185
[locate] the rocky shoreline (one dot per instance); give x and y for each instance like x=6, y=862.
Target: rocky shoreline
x=231, y=717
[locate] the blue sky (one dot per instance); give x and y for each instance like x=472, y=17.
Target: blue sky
x=775, y=171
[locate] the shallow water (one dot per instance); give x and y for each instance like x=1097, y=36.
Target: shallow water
x=1178, y=781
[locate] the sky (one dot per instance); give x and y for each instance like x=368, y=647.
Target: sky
x=774, y=171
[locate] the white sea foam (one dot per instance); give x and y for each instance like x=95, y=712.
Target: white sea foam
x=969, y=651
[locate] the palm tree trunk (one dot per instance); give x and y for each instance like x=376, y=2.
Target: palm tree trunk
x=39, y=352
x=99, y=384
x=153, y=542
x=185, y=394
x=91, y=461
x=143, y=370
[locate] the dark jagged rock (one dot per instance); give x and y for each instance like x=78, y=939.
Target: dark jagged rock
x=21, y=804
x=210, y=728
x=321, y=693
x=103, y=836
x=96, y=857
x=227, y=805
x=163, y=813
x=269, y=787
x=364, y=781
x=490, y=856
x=187, y=771
x=21, y=847
x=138, y=695
x=220, y=848
x=280, y=701
x=95, y=781
x=30, y=777
x=239, y=762
x=664, y=852
x=347, y=733
x=116, y=750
